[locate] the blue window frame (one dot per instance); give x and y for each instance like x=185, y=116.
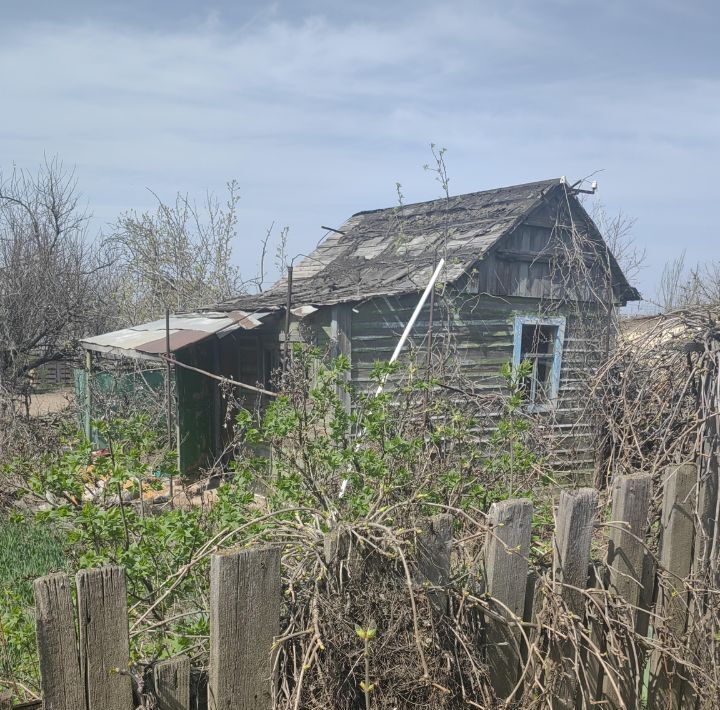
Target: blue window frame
x=540, y=340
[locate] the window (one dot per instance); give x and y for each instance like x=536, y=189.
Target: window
x=540, y=341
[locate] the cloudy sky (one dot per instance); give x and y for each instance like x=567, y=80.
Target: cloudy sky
x=319, y=108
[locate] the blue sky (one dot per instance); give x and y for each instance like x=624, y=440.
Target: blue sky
x=319, y=108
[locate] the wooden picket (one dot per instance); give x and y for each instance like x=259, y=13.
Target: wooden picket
x=171, y=684
x=626, y=561
x=676, y=547
x=61, y=683
x=245, y=595
x=104, y=638
x=506, y=568
x=434, y=547
x=571, y=558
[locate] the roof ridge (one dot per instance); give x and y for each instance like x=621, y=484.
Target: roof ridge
x=547, y=182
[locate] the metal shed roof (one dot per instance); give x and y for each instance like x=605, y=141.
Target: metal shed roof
x=148, y=339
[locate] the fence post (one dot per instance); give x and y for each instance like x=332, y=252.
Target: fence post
x=171, y=680
x=707, y=536
x=506, y=568
x=676, y=547
x=245, y=594
x=104, y=638
x=571, y=557
x=627, y=566
x=60, y=680
x=434, y=546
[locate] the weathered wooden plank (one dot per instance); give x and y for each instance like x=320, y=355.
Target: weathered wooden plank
x=341, y=335
x=626, y=551
x=707, y=530
x=571, y=558
x=571, y=545
x=627, y=564
x=709, y=490
x=534, y=599
x=676, y=546
x=245, y=592
x=104, y=638
x=506, y=568
x=434, y=546
x=171, y=680
x=60, y=680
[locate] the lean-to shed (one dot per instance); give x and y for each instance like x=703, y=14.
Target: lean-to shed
x=129, y=364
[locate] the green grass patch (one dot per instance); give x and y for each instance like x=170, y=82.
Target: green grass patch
x=27, y=550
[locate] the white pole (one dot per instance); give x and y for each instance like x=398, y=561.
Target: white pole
x=401, y=343
x=413, y=318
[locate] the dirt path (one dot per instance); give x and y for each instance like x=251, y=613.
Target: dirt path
x=50, y=402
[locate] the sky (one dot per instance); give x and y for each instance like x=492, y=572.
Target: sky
x=318, y=109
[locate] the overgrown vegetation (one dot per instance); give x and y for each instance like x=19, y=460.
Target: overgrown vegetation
x=347, y=493
x=303, y=467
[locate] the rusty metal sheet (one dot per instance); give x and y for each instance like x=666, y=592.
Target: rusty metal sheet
x=178, y=340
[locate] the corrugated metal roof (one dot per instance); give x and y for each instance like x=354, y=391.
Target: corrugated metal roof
x=393, y=250
x=148, y=339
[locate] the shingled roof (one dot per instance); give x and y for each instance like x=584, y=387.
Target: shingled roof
x=393, y=251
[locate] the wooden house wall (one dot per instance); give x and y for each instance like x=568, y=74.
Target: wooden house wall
x=481, y=339
x=195, y=397
x=533, y=260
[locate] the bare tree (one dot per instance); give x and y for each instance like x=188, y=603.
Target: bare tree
x=617, y=232
x=681, y=287
x=177, y=257
x=670, y=294
x=50, y=274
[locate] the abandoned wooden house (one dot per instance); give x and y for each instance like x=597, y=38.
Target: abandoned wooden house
x=525, y=269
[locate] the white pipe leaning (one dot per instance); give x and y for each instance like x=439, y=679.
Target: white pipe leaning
x=399, y=346
x=413, y=318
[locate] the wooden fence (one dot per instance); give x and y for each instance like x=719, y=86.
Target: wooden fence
x=88, y=670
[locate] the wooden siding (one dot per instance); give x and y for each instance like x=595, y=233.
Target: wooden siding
x=481, y=339
x=532, y=260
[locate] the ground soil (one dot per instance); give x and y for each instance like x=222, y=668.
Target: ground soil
x=50, y=402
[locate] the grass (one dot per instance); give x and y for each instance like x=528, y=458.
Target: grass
x=27, y=550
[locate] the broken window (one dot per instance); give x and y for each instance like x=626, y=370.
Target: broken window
x=539, y=341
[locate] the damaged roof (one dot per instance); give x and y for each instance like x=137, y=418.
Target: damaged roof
x=148, y=339
x=394, y=250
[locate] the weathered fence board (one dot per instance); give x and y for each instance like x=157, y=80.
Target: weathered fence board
x=571, y=558
x=434, y=549
x=676, y=546
x=245, y=593
x=171, y=680
x=104, y=638
x=506, y=568
x=627, y=564
x=60, y=679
